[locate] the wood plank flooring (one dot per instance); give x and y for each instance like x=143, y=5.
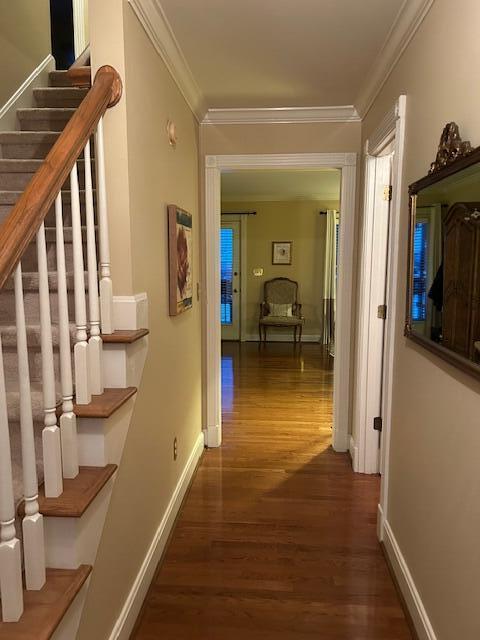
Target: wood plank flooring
x=277, y=537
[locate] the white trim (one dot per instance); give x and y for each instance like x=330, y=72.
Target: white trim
x=392, y=127
x=212, y=328
x=155, y=23
x=131, y=608
x=130, y=312
x=407, y=22
x=8, y=110
x=282, y=115
x=284, y=337
x=392, y=287
x=80, y=19
x=353, y=450
x=409, y=590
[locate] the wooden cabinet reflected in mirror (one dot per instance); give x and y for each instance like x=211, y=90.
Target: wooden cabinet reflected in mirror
x=443, y=295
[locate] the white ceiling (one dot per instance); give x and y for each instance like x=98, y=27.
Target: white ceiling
x=280, y=53
x=280, y=185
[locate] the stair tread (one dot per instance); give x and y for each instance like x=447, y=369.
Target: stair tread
x=78, y=493
x=104, y=405
x=124, y=336
x=45, y=609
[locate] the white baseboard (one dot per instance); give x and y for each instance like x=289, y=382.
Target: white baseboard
x=283, y=337
x=130, y=312
x=407, y=586
x=23, y=96
x=131, y=608
x=380, y=522
x=213, y=436
x=353, y=449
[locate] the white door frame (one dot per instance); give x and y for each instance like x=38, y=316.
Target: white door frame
x=372, y=331
x=214, y=165
x=391, y=129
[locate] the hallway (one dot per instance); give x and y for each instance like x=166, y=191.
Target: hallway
x=276, y=539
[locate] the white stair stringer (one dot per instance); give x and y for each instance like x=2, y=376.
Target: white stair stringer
x=70, y=541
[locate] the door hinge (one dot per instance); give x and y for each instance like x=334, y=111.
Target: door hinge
x=378, y=423
x=387, y=192
x=382, y=311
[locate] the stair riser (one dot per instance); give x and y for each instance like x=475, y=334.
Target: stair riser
x=32, y=310
x=59, y=79
x=17, y=181
x=60, y=98
x=25, y=151
x=46, y=123
x=29, y=260
x=10, y=362
x=50, y=217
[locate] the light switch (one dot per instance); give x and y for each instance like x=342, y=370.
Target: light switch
x=258, y=271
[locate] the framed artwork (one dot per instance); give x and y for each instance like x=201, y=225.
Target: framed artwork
x=282, y=252
x=179, y=260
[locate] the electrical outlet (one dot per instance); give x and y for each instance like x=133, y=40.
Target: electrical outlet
x=175, y=448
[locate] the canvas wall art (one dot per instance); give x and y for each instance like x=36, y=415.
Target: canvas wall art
x=180, y=259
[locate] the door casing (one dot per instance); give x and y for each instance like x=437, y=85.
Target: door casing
x=214, y=165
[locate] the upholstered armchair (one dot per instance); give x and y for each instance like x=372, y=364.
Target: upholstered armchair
x=280, y=308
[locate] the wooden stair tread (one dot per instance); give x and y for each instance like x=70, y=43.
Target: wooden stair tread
x=104, y=405
x=124, y=336
x=44, y=609
x=78, y=493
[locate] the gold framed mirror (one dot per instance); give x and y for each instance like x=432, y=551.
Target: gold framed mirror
x=443, y=288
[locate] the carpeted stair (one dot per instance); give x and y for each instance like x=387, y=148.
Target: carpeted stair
x=21, y=154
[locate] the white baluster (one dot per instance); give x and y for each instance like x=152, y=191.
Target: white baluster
x=106, y=288
x=68, y=420
x=95, y=343
x=80, y=352
x=11, y=590
x=52, y=449
x=32, y=525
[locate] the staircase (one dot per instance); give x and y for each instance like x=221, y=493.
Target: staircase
x=64, y=401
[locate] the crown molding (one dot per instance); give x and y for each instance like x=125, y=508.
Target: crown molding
x=406, y=24
x=282, y=115
x=154, y=21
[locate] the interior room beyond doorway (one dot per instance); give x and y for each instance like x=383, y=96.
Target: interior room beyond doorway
x=279, y=240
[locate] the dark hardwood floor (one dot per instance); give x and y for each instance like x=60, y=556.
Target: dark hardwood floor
x=277, y=537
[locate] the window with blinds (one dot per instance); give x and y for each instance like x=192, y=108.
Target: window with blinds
x=226, y=275
x=420, y=249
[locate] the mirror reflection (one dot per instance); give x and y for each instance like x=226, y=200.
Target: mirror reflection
x=445, y=263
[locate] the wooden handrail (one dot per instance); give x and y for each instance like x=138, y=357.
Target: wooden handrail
x=22, y=224
x=79, y=73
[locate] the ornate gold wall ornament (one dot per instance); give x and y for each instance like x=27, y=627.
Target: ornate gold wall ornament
x=451, y=148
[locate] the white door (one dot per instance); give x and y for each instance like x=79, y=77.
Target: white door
x=378, y=309
x=230, y=280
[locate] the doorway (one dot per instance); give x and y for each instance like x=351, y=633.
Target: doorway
x=215, y=165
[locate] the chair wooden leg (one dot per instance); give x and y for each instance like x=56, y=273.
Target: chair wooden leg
x=301, y=331
x=295, y=334
x=265, y=334
x=260, y=331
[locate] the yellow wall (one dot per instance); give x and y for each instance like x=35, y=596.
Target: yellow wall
x=24, y=41
x=300, y=222
x=169, y=399
x=435, y=449
x=321, y=137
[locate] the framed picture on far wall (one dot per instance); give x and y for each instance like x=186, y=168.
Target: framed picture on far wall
x=179, y=260
x=282, y=252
